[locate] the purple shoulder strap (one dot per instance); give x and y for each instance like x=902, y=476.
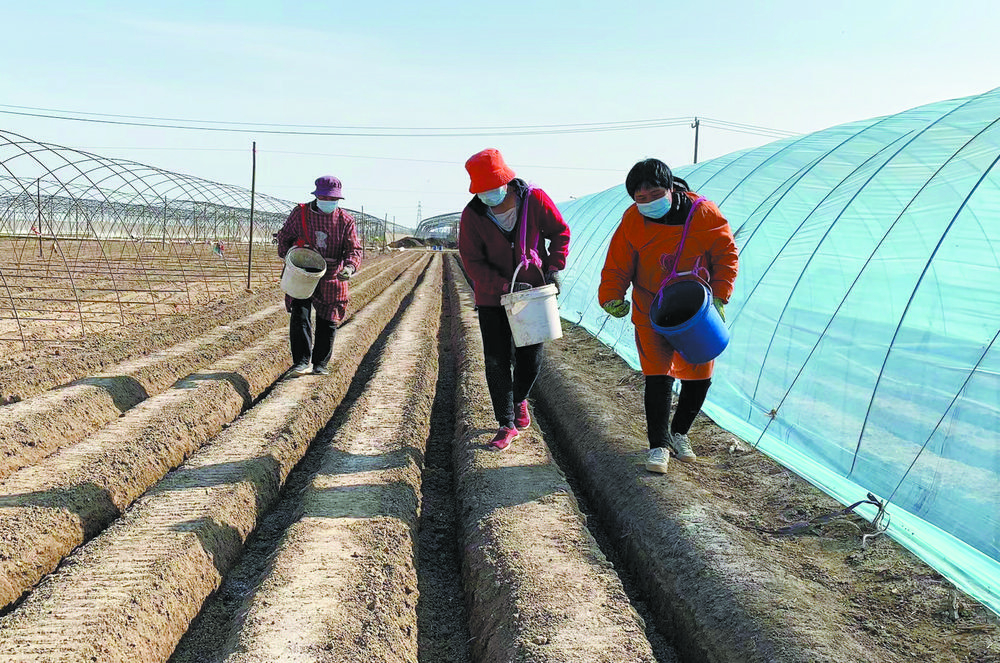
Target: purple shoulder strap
x=676, y=257
x=523, y=235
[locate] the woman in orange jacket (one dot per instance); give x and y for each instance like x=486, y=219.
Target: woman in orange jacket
x=651, y=230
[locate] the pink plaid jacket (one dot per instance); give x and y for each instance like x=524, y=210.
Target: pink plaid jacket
x=335, y=236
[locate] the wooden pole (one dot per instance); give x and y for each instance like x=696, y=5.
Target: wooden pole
x=253, y=190
x=39, y=227
x=695, y=125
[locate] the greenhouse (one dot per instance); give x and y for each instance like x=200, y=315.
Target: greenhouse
x=865, y=318
x=90, y=242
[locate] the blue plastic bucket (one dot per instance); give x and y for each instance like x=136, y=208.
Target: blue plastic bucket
x=683, y=313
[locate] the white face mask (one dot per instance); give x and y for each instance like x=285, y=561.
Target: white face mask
x=326, y=206
x=656, y=209
x=493, y=196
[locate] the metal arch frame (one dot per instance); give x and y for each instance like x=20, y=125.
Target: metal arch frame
x=120, y=200
x=450, y=221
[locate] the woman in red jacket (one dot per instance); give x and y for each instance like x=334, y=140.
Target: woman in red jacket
x=649, y=230
x=504, y=210
x=323, y=226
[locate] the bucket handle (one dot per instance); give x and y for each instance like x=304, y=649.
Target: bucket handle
x=513, y=279
x=684, y=276
x=671, y=261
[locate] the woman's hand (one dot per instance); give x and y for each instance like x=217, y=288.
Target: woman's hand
x=720, y=307
x=552, y=276
x=616, y=307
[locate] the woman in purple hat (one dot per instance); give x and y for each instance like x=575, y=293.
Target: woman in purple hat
x=324, y=227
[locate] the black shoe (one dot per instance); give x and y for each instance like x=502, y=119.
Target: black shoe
x=298, y=369
x=319, y=369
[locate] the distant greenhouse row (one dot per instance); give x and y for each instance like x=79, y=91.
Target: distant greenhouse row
x=57, y=191
x=89, y=242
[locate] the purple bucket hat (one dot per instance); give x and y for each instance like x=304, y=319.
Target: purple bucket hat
x=328, y=185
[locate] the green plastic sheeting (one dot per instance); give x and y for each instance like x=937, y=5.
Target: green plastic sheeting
x=865, y=318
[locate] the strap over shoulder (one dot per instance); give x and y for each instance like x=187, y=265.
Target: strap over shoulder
x=302, y=241
x=669, y=262
x=528, y=257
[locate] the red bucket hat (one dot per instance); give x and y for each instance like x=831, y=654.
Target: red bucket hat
x=487, y=171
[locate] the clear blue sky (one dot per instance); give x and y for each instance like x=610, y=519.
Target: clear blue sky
x=791, y=66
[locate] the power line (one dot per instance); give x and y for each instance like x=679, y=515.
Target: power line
x=374, y=131
x=622, y=123
x=381, y=133
x=746, y=128
x=338, y=156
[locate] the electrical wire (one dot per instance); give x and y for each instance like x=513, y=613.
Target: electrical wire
x=375, y=131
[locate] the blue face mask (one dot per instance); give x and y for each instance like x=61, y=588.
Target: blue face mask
x=493, y=197
x=656, y=209
x=326, y=206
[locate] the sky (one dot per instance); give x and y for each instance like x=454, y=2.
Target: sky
x=400, y=94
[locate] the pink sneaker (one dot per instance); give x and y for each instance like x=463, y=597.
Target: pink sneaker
x=521, y=417
x=504, y=437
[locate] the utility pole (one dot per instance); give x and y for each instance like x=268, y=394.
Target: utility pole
x=253, y=189
x=695, y=125
x=39, y=200
x=364, y=234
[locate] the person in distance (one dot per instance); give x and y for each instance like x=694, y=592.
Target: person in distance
x=324, y=227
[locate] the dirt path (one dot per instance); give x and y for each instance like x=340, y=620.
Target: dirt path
x=211, y=510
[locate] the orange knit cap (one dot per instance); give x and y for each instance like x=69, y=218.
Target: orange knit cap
x=487, y=171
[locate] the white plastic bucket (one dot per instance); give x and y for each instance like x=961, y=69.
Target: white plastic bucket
x=304, y=268
x=533, y=314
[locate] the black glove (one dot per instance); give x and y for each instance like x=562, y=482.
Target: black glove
x=552, y=276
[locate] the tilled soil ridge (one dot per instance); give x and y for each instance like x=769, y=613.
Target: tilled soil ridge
x=715, y=601
x=32, y=429
x=130, y=594
x=342, y=584
x=538, y=586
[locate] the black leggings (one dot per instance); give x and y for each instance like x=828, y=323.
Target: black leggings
x=300, y=335
x=656, y=399
x=510, y=371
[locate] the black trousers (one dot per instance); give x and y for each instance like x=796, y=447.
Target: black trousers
x=656, y=399
x=300, y=335
x=510, y=371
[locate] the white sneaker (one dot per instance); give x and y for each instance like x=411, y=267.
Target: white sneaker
x=681, y=445
x=657, y=460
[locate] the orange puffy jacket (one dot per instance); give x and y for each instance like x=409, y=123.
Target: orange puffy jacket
x=638, y=243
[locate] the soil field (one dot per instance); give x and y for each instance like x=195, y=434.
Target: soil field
x=168, y=494
x=55, y=290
